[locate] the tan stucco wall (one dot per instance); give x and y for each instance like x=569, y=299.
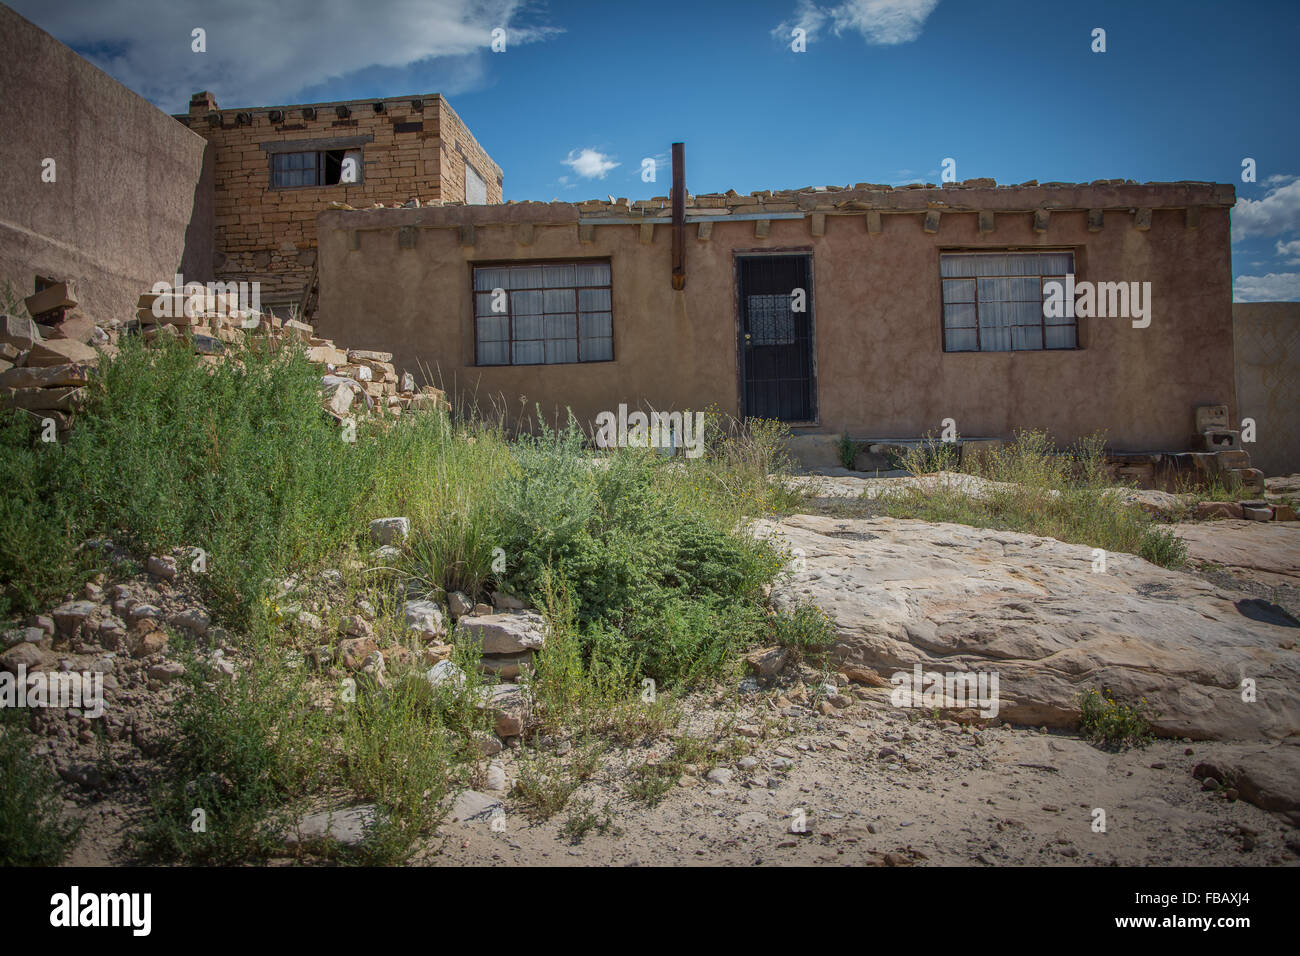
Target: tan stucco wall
x=132, y=201
x=1267, y=336
x=881, y=370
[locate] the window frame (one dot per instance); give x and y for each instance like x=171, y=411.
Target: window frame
x=318, y=167
x=474, y=292
x=1042, y=318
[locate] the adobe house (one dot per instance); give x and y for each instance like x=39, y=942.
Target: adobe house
x=276, y=167
x=874, y=311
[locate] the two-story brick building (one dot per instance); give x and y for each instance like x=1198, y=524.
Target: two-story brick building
x=276, y=167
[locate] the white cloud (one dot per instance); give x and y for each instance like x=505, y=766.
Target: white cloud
x=807, y=17
x=1290, y=249
x=881, y=22
x=1276, y=213
x=1274, y=287
x=589, y=163
x=264, y=53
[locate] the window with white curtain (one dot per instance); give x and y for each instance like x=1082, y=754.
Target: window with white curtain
x=547, y=313
x=993, y=301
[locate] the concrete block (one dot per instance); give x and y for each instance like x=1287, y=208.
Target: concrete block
x=815, y=451
x=1219, y=439
x=1211, y=416
x=1228, y=460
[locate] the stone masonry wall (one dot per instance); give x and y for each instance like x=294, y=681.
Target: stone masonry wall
x=269, y=235
x=459, y=146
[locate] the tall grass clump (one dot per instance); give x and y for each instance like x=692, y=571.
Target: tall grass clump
x=1035, y=488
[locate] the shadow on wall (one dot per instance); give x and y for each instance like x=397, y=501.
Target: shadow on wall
x=1266, y=339
x=200, y=240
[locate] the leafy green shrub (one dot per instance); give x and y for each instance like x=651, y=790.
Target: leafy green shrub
x=1110, y=723
x=806, y=630
x=235, y=458
x=33, y=830
x=848, y=450
x=672, y=574
x=243, y=749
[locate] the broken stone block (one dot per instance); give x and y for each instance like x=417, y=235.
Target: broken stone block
x=389, y=530
x=506, y=666
x=1218, y=509
x=50, y=376
x=146, y=639
x=1283, y=513
x=353, y=651
x=74, y=325
x=509, y=707
x=1256, y=512
x=506, y=602
x=1251, y=480
x=25, y=655
x=459, y=604
x=162, y=566
x=297, y=330
x=356, y=355
x=60, y=352
x=504, y=633
x=347, y=827
x=327, y=355
x=425, y=618
x=767, y=662
x=69, y=617
x=43, y=399
x=21, y=333
x=61, y=295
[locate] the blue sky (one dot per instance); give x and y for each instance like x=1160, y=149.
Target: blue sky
x=886, y=89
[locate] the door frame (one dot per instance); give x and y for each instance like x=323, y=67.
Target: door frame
x=739, y=324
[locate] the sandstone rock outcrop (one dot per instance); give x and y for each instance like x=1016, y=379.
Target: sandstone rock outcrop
x=956, y=598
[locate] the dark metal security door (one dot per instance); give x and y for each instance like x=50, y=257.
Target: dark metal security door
x=776, y=316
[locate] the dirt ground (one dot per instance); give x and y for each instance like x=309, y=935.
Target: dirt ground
x=877, y=786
